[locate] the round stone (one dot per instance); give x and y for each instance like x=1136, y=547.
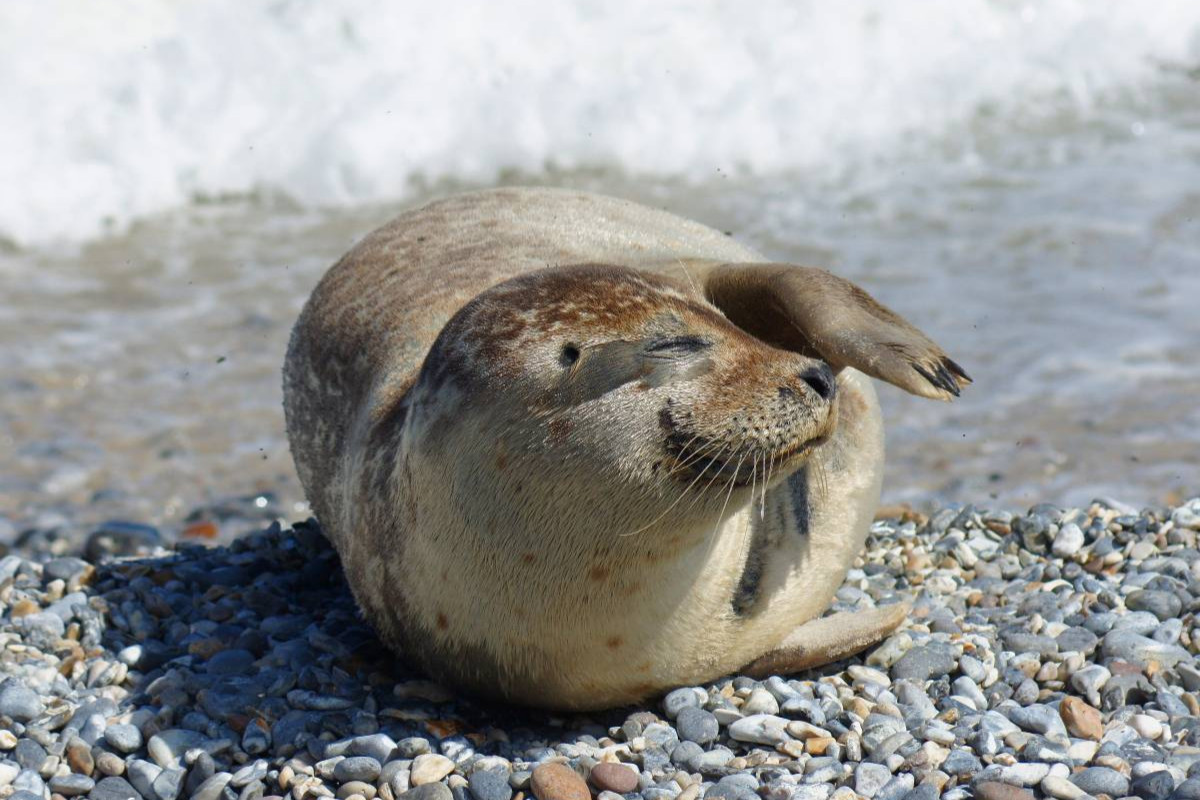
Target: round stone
x=614, y=778
x=485, y=784
x=1164, y=605
x=697, y=725
x=1101, y=780
x=1146, y=725
x=1081, y=720
x=1154, y=786
x=356, y=768
x=113, y=789
x=995, y=790
x=430, y=768
x=18, y=701
x=123, y=737
x=558, y=782
x=71, y=785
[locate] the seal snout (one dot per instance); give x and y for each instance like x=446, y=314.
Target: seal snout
x=820, y=379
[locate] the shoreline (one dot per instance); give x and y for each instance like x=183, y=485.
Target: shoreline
x=1049, y=654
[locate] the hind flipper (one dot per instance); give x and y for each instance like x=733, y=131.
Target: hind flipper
x=828, y=639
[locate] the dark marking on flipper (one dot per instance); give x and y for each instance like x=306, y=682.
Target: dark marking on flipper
x=798, y=492
x=747, y=592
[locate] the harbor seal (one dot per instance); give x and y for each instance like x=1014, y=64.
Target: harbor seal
x=574, y=451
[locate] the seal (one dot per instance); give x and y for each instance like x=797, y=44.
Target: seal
x=574, y=451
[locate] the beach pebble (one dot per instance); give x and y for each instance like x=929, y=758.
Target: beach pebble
x=19, y=701
x=1081, y=719
x=697, y=725
x=1101, y=780
x=489, y=785
x=614, y=778
x=995, y=790
x=924, y=662
x=366, y=769
x=123, y=738
x=760, y=729
x=558, y=782
x=1153, y=786
x=1068, y=541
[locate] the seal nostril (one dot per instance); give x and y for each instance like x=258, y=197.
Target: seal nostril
x=820, y=380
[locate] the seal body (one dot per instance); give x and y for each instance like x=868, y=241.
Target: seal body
x=574, y=451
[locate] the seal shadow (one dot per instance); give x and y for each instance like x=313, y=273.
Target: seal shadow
x=264, y=635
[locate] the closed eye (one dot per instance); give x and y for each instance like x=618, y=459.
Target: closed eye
x=677, y=346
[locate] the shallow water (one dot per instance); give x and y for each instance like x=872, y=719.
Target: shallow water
x=1059, y=265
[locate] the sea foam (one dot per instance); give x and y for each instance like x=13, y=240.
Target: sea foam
x=120, y=109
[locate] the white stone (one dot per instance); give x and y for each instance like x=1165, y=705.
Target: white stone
x=760, y=701
x=1060, y=788
x=430, y=768
x=1068, y=541
x=1146, y=725
x=759, y=729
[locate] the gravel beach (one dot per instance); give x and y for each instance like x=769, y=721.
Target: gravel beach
x=1050, y=653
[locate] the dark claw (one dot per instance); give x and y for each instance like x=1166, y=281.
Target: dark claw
x=948, y=382
x=957, y=370
x=942, y=379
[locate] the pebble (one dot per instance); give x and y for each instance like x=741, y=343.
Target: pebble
x=1080, y=718
x=558, y=782
x=614, y=778
x=18, y=701
x=995, y=790
x=366, y=769
x=113, y=789
x=1153, y=786
x=432, y=791
x=870, y=778
x=697, y=725
x=123, y=738
x=1068, y=541
x=488, y=785
x=1061, y=788
x=1101, y=780
x=760, y=729
x=923, y=662
x=71, y=785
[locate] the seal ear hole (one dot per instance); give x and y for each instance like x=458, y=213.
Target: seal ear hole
x=570, y=354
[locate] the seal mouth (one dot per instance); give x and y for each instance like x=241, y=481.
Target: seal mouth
x=740, y=467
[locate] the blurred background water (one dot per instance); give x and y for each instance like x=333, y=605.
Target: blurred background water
x=1020, y=180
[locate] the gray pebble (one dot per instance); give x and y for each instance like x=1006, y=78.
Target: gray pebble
x=487, y=785
x=71, y=785
x=870, y=778
x=679, y=699
x=123, y=738
x=1130, y=646
x=923, y=662
x=697, y=725
x=212, y=788
x=428, y=791
x=357, y=768
x=1101, y=780
x=113, y=789
x=19, y=701
x=378, y=746
x=1163, y=605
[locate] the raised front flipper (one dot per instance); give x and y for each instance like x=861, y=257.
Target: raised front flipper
x=814, y=312
x=828, y=639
